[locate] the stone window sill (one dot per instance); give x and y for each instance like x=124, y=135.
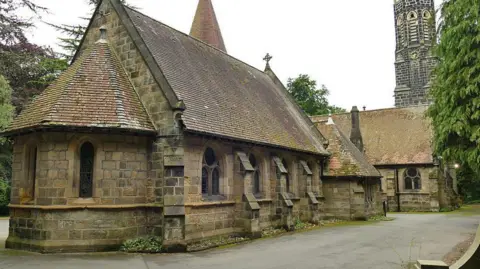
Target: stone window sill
x=210, y=203
x=84, y=201
x=415, y=192
x=213, y=198
x=264, y=200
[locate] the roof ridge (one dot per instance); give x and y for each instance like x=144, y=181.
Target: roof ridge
x=195, y=39
x=373, y=110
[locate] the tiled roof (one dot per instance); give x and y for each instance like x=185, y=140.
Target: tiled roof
x=391, y=136
x=346, y=159
x=223, y=96
x=205, y=26
x=93, y=92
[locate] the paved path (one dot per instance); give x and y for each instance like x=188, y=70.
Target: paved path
x=373, y=246
x=3, y=228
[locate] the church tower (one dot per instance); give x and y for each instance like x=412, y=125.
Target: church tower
x=205, y=26
x=414, y=62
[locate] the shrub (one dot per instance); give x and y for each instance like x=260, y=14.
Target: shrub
x=299, y=225
x=149, y=244
x=4, y=197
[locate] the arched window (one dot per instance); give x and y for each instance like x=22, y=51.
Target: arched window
x=412, y=19
x=287, y=178
x=413, y=179
x=426, y=15
x=210, y=173
x=401, y=31
x=256, y=174
x=32, y=168
x=87, y=153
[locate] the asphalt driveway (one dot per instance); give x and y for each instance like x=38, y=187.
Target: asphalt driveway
x=368, y=246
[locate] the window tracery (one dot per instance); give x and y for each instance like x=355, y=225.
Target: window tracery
x=413, y=179
x=210, y=173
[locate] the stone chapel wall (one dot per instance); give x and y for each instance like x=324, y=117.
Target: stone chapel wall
x=121, y=206
x=424, y=199
x=226, y=213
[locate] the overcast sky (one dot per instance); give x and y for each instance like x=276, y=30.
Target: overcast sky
x=347, y=45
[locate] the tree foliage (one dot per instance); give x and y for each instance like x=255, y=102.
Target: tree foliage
x=6, y=115
x=73, y=34
x=311, y=99
x=456, y=85
x=4, y=197
x=28, y=67
x=12, y=26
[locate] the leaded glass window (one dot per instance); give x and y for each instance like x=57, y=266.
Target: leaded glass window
x=256, y=174
x=32, y=168
x=210, y=173
x=287, y=178
x=413, y=179
x=87, y=153
x=204, y=180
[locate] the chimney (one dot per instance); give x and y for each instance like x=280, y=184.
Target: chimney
x=356, y=135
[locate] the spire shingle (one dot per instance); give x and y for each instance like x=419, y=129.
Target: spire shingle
x=205, y=26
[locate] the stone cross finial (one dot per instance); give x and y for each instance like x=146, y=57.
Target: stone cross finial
x=267, y=58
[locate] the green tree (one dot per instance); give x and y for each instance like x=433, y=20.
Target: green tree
x=311, y=99
x=73, y=34
x=4, y=197
x=12, y=26
x=28, y=67
x=6, y=115
x=455, y=112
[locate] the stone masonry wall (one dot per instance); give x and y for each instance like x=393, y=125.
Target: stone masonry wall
x=120, y=175
x=338, y=194
x=80, y=229
x=209, y=220
x=52, y=218
x=425, y=199
x=345, y=199
x=223, y=214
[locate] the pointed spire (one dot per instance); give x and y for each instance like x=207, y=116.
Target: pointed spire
x=205, y=26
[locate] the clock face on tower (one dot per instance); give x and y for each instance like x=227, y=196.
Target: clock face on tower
x=413, y=55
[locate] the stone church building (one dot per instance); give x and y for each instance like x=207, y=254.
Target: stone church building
x=152, y=131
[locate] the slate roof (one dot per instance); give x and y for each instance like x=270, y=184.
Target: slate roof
x=346, y=159
x=223, y=96
x=94, y=92
x=394, y=136
x=205, y=26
